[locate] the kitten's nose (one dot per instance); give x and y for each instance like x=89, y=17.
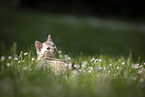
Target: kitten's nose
x=53, y=49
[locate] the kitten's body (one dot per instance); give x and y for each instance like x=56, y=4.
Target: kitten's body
x=46, y=52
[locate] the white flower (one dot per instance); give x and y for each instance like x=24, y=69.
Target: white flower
x=60, y=56
x=10, y=57
x=65, y=56
x=100, y=59
x=83, y=65
x=70, y=65
x=69, y=58
x=140, y=66
x=33, y=59
x=91, y=67
x=2, y=58
x=100, y=67
x=66, y=64
x=15, y=58
x=144, y=63
x=135, y=66
x=95, y=60
x=92, y=59
x=117, y=67
x=104, y=68
x=19, y=61
x=114, y=74
x=76, y=66
x=59, y=51
x=123, y=63
x=8, y=64
x=108, y=71
x=84, y=62
x=26, y=53
x=110, y=65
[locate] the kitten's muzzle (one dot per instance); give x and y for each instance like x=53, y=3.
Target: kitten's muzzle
x=53, y=50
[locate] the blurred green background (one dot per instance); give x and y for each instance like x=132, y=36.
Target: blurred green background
x=73, y=33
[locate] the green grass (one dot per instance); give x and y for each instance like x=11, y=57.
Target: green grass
x=118, y=44
x=108, y=76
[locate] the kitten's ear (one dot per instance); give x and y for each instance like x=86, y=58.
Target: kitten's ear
x=38, y=45
x=49, y=38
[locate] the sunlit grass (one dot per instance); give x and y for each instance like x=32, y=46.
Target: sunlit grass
x=91, y=76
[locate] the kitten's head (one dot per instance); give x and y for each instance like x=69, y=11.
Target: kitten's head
x=46, y=48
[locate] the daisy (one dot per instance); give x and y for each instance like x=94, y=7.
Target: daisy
x=95, y=60
x=10, y=57
x=15, y=58
x=100, y=59
x=19, y=61
x=117, y=67
x=8, y=64
x=2, y=58
x=26, y=53
x=92, y=59
x=33, y=59
x=60, y=56
x=59, y=51
x=123, y=63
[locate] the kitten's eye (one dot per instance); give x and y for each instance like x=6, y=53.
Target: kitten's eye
x=48, y=48
x=53, y=45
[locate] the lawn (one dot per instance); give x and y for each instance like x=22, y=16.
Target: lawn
x=108, y=55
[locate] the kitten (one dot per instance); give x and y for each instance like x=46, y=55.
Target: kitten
x=45, y=49
x=46, y=52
